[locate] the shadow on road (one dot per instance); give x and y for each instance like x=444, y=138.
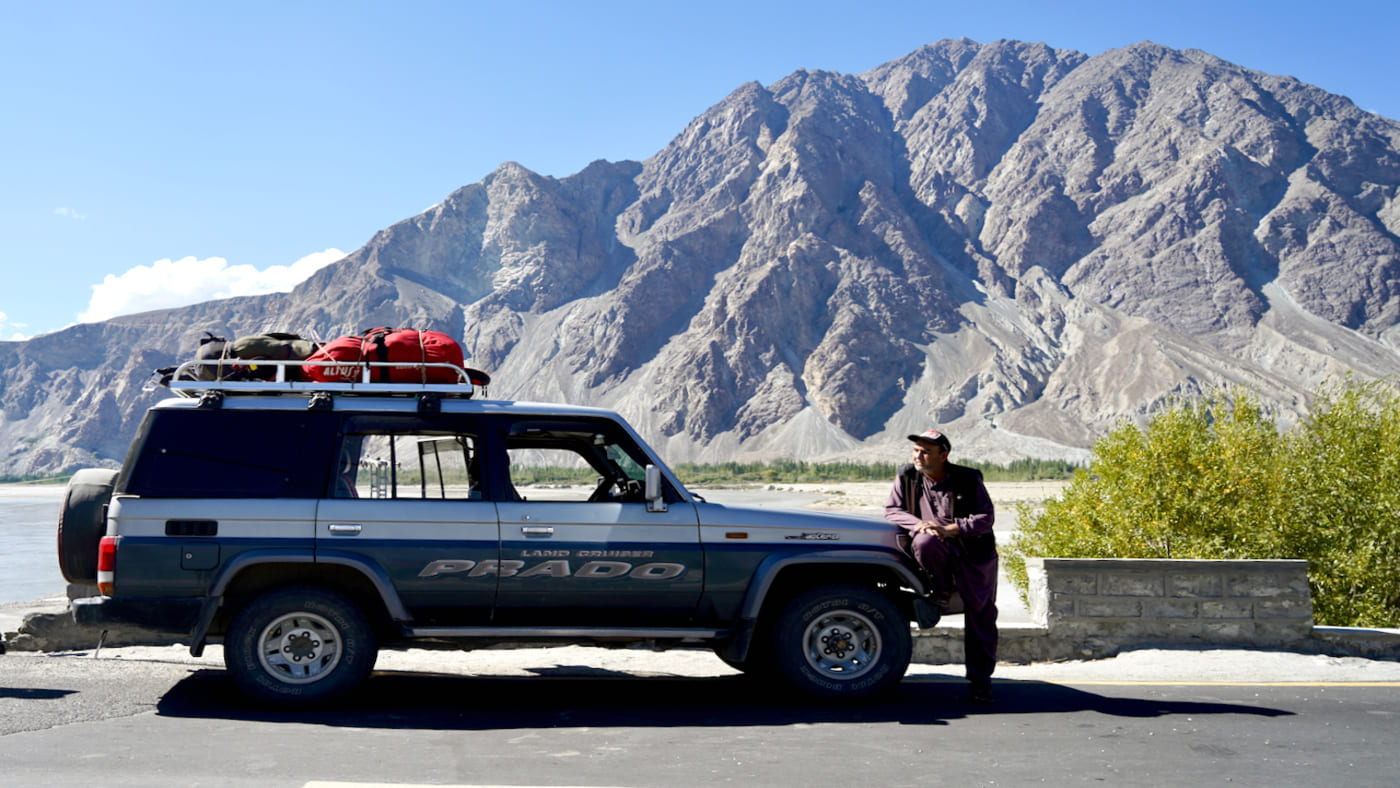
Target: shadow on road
x=579, y=697
x=31, y=693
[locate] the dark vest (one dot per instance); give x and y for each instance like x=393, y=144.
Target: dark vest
x=962, y=481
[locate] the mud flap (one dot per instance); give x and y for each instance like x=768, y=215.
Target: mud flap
x=927, y=613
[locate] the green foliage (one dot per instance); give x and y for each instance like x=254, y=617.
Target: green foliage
x=1216, y=479
x=1341, y=479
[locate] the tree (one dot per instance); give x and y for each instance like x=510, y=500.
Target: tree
x=1216, y=479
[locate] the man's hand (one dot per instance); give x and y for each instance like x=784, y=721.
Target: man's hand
x=941, y=530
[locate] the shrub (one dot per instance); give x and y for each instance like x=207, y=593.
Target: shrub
x=1216, y=479
x=1339, y=491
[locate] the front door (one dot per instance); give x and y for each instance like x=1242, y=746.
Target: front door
x=578, y=545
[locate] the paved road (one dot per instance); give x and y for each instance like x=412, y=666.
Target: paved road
x=588, y=717
x=585, y=717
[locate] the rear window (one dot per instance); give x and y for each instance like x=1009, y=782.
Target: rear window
x=230, y=454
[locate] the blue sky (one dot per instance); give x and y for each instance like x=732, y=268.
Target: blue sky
x=155, y=154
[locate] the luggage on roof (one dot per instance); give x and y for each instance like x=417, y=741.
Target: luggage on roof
x=272, y=346
x=393, y=361
x=408, y=350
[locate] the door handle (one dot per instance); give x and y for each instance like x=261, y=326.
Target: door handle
x=537, y=530
x=343, y=529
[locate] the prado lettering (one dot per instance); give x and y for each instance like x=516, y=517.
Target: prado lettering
x=658, y=570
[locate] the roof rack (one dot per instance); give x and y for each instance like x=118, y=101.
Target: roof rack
x=185, y=379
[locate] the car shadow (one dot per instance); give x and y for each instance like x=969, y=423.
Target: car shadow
x=582, y=696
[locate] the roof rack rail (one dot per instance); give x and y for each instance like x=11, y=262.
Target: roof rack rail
x=185, y=380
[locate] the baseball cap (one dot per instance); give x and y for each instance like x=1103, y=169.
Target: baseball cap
x=935, y=437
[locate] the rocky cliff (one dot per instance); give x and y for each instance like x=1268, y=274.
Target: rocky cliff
x=1019, y=244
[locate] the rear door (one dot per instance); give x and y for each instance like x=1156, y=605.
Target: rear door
x=203, y=486
x=407, y=498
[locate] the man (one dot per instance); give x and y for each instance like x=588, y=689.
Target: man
x=946, y=510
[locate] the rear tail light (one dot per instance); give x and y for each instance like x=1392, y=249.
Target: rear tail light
x=106, y=565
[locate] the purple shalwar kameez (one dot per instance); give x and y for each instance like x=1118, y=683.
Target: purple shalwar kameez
x=967, y=562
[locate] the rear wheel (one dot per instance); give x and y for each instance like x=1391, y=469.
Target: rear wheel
x=299, y=646
x=842, y=641
x=82, y=522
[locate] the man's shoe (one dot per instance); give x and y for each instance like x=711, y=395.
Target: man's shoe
x=981, y=694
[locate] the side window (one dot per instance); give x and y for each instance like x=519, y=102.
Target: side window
x=582, y=461
x=229, y=453
x=409, y=466
x=550, y=475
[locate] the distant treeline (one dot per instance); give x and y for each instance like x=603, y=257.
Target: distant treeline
x=798, y=471
x=773, y=472
x=36, y=478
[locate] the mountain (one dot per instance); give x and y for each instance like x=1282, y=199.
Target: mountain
x=1019, y=244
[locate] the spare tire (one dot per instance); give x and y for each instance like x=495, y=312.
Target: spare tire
x=82, y=522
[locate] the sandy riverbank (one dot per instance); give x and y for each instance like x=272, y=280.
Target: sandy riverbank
x=869, y=497
x=54, y=491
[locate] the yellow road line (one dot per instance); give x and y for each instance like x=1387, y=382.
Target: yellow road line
x=1008, y=680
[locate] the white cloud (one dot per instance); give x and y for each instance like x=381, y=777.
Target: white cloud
x=64, y=210
x=171, y=283
x=11, y=328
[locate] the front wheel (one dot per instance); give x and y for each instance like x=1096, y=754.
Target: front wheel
x=299, y=646
x=842, y=641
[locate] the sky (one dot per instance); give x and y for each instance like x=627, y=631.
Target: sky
x=157, y=154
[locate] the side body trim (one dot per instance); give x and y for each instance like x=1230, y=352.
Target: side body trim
x=771, y=566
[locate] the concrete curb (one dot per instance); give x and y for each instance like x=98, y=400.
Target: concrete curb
x=1025, y=644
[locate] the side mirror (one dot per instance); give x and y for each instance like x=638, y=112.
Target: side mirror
x=655, y=494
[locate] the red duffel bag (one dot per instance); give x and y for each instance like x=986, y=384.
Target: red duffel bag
x=408, y=348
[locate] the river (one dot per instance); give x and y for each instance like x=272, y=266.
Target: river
x=28, y=530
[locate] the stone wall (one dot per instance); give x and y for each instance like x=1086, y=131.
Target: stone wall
x=1088, y=608
x=1242, y=603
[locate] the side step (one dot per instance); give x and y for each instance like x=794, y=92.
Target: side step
x=566, y=633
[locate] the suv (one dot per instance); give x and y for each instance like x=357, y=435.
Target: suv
x=307, y=525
